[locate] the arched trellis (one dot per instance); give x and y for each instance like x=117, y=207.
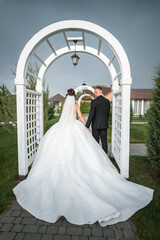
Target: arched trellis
x=84, y=87
x=30, y=103
x=82, y=96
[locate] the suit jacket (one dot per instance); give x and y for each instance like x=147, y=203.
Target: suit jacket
x=99, y=113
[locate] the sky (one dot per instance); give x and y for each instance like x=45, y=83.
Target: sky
x=135, y=24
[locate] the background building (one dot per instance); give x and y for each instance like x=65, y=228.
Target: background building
x=57, y=100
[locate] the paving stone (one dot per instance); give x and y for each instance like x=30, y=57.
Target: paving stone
x=7, y=236
x=7, y=219
x=58, y=222
x=14, y=202
x=87, y=232
x=74, y=231
x=18, y=220
x=85, y=225
x=19, y=236
x=6, y=227
x=118, y=233
x=124, y=225
x=62, y=237
x=16, y=213
x=47, y=237
x=17, y=228
x=28, y=220
x=112, y=226
x=108, y=233
x=96, y=232
x=40, y=222
x=30, y=229
x=84, y=238
x=129, y=234
x=7, y=213
x=97, y=238
x=66, y=223
x=46, y=223
x=15, y=207
x=111, y=238
x=26, y=214
x=32, y=236
x=52, y=229
x=62, y=230
x=42, y=229
x=94, y=225
x=75, y=238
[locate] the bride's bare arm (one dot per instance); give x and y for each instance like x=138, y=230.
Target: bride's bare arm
x=80, y=114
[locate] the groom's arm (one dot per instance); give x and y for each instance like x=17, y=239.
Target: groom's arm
x=91, y=114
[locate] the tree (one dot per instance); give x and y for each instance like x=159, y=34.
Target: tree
x=51, y=111
x=100, y=85
x=153, y=136
x=7, y=108
x=31, y=84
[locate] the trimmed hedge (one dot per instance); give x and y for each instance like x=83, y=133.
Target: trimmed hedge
x=153, y=136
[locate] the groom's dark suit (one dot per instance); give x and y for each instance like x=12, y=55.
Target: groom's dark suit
x=99, y=115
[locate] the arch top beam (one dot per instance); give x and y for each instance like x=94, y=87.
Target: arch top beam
x=88, y=50
x=74, y=25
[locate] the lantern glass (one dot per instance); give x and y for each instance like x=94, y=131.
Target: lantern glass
x=75, y=59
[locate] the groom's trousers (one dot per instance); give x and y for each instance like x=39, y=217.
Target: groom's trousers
x=101, y=133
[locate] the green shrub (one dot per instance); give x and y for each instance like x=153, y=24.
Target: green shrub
x=85, y=107
x=131, y=112
x=51, y=111
x=153, y=136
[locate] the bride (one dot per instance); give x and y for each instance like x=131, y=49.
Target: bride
x=73, y=177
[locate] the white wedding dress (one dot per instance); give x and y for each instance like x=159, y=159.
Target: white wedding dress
x=73, y=177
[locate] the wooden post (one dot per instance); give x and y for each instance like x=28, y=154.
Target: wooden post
x=21, y=130
x=125, y=131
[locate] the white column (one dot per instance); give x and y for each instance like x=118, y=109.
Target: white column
x=39, y=88
x=21, y=130
x=125, y=131
x=115, y=88
x=113, y=124
x=142, y=108
x=133, y=105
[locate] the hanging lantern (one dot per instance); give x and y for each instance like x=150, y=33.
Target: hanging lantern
x=75, y=57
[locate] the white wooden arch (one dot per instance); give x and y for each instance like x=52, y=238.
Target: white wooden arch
x=30, y=103
x=83, y=87
x=82, y=96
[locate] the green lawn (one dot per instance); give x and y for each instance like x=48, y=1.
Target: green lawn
x=139, y=119
x=146, y=220
x=8, y=166
x=138, y=133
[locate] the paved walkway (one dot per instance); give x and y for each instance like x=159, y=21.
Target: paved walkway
x=17, y=224
x=136, y=149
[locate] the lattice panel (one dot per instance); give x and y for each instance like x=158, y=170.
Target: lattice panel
x=32, y=123
x=118, y=116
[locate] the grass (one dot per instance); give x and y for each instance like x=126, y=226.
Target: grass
x=146, y=220
x=51, y=122
x=138, y=133
x=8, y=166
x=139, y=119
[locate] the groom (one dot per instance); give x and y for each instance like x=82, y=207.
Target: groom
x=99, y=115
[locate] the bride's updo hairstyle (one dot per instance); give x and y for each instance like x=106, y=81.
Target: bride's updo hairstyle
x=71, y=92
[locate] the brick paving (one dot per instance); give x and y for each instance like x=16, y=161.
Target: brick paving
x=136, y=149
x=18, y=224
